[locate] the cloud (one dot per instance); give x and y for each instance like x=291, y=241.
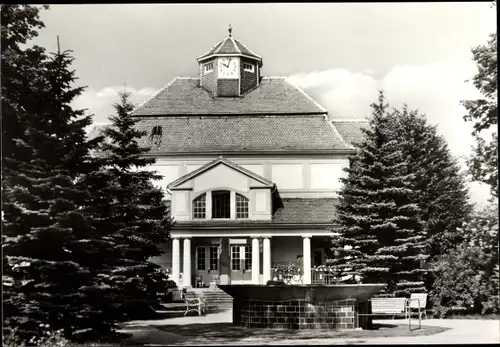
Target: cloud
x=100, y=102
x=434, y=89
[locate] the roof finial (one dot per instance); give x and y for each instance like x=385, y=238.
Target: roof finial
x=230, y=29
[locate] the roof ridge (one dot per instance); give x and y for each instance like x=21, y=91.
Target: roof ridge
x=220, y=46
x=210, y=50
x=337, y=132
x=248, y=49
x=306, y=95
x=155, y=94
x=234, y=44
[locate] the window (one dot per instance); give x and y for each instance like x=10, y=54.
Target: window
x=241, y=206
x=248, y=258
x=235, y=258
x=199, y=207
x=155, y=137
x=208, y=67
x=214, y=255
x=156, y=130
x=248, y=67
x=221, y=204
x=200, y=258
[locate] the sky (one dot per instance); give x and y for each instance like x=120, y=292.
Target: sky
x=339, y=53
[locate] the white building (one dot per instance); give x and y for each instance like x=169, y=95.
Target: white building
x=252, y=167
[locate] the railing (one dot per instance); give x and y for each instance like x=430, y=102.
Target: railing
x=324, y=276
x=290, y=273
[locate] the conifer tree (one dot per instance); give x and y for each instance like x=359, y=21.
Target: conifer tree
x=132, y=219
x=47, y=152
x=443, y=194
x=378, y=214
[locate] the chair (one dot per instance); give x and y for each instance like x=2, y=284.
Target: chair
x=417, y=301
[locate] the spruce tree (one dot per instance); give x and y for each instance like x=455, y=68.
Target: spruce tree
x=378, y=214
x=42, y=206
x=443, y=194
x=130, y=221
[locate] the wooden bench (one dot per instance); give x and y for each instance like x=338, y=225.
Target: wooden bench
x=391, y=307
x=195, y=302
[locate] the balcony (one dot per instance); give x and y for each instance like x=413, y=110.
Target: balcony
x=292, y=273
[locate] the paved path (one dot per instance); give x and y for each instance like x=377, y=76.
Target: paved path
x=461, y=331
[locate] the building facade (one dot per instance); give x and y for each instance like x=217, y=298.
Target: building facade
x=251, y=165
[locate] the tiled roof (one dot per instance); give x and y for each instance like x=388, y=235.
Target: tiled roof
x=226, y=134
x=294, y=211
x=220, y=160
x=350, y=129
x=184, y=96
x=230, y=45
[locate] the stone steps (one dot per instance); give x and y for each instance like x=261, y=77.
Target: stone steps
x=215, y=296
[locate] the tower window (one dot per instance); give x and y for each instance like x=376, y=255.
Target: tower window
x=248, y=67
x=221, y=204
x=208, y=67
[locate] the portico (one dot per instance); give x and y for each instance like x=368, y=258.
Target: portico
x=241, y=258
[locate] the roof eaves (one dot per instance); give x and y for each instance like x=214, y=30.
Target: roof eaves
x=248, y=49
x=210, y=50
x=352, y=120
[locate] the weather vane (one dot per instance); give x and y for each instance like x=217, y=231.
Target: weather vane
x=230, y=29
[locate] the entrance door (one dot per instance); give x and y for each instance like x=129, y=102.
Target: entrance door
x=207, y=265
x=241, y=264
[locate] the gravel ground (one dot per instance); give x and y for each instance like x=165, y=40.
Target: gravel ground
x=216, y=329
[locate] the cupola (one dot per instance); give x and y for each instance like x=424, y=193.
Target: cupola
x=229, y=69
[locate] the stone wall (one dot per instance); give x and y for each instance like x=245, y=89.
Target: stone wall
x=295, y=314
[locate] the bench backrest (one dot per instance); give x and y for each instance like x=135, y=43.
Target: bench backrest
x=388, y=305
x=191, y=296
x=422, y=298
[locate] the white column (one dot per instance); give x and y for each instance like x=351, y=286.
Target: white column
x=176, y=260
x=266, y=260
x=306, y=243
x=255, y=261
x=186, y=275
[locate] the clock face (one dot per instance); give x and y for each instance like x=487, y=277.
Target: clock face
x=228, y=67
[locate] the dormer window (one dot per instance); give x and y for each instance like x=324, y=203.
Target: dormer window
x=199, y=207
x=241, y=206
x=248, y=67
x=157, y=131
x=208, y=67
x=155, y=137
x=221, y=204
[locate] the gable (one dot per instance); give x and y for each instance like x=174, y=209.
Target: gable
x=221, y=176
x=220, y=173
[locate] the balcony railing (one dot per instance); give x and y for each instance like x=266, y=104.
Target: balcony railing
x=324, y=276
x=291, y=273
